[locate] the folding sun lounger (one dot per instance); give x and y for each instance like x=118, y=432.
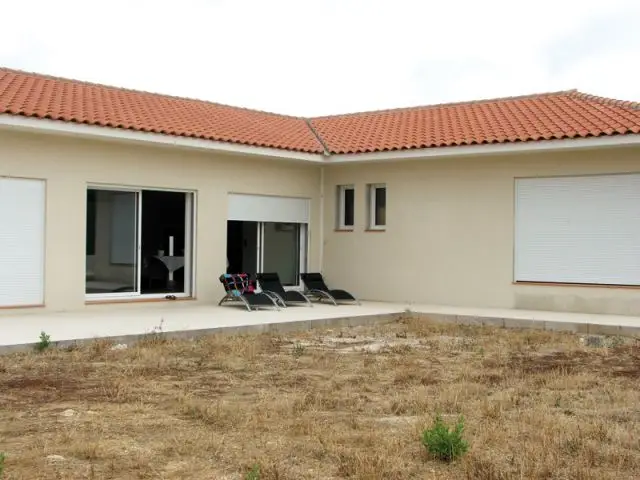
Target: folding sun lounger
x=271, y=285
x=238, y=288
x=315, y=287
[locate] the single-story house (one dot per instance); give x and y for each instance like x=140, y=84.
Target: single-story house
x=114, y=195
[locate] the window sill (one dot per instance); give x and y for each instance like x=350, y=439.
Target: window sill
x=12, y=307
x=345, y=229
x=577, y=285
x=378, y=229
x=135, y=300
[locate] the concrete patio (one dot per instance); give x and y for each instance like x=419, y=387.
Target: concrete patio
x=187, y=319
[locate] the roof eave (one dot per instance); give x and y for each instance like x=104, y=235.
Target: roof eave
x=619, y=140
x=39, y=125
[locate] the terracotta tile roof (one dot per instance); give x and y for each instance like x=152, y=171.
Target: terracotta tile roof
x=40, y=96
x=558, y=115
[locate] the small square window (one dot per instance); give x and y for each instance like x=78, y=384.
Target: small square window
x=346, y=214
x=377, y=206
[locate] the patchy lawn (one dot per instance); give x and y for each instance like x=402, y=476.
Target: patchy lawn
x=348, y=403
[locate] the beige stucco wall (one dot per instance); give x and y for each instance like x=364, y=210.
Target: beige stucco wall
x=449, y=237
x=69, y=164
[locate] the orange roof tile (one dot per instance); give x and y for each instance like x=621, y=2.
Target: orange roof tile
x=567, y=114
x=559, y=115
x=40, y=96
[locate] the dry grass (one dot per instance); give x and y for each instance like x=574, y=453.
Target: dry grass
x=331, y=404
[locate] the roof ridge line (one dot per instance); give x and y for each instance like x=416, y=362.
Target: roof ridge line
x=606, y=100
x=325, y=147
x=143, y=92
x=452, y=104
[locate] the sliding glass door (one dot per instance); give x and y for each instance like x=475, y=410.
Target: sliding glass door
x=281, y=251
x=280, y=247
x=138, y=242
x=165, y=239
x=268, y=234
x=112, y=242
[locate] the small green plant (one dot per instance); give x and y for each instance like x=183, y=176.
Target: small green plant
x=615, y=341
x=298, y=350
x=254, y=473
x=443, y=443
x=3, y=457
x=44, y=343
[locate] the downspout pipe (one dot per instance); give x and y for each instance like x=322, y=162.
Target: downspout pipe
x=321, y=214
x=326, y=153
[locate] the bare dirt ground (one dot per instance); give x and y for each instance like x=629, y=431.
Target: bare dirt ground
x=348, y=403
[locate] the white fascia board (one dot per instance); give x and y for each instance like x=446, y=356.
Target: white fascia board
x=491, y=149
x=118, y=134
x=109, y=133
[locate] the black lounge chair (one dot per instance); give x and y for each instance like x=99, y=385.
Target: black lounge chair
x=315, y=287
x=271, y=285
x=238, y=288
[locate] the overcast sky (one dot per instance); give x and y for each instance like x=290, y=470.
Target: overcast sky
x=315, y=58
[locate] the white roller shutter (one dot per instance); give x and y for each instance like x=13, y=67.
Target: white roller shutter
x=22, y=212
x=262, y=208
x=578, y=229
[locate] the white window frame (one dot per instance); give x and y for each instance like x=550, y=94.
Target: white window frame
x=190, y=241
x=342, y=203
x=371, y=193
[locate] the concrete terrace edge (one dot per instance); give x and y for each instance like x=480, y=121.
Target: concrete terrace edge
x=250, y=329
x=583, y=328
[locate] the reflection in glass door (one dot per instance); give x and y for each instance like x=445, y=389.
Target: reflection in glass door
x=281, y=251
x=112, y=242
